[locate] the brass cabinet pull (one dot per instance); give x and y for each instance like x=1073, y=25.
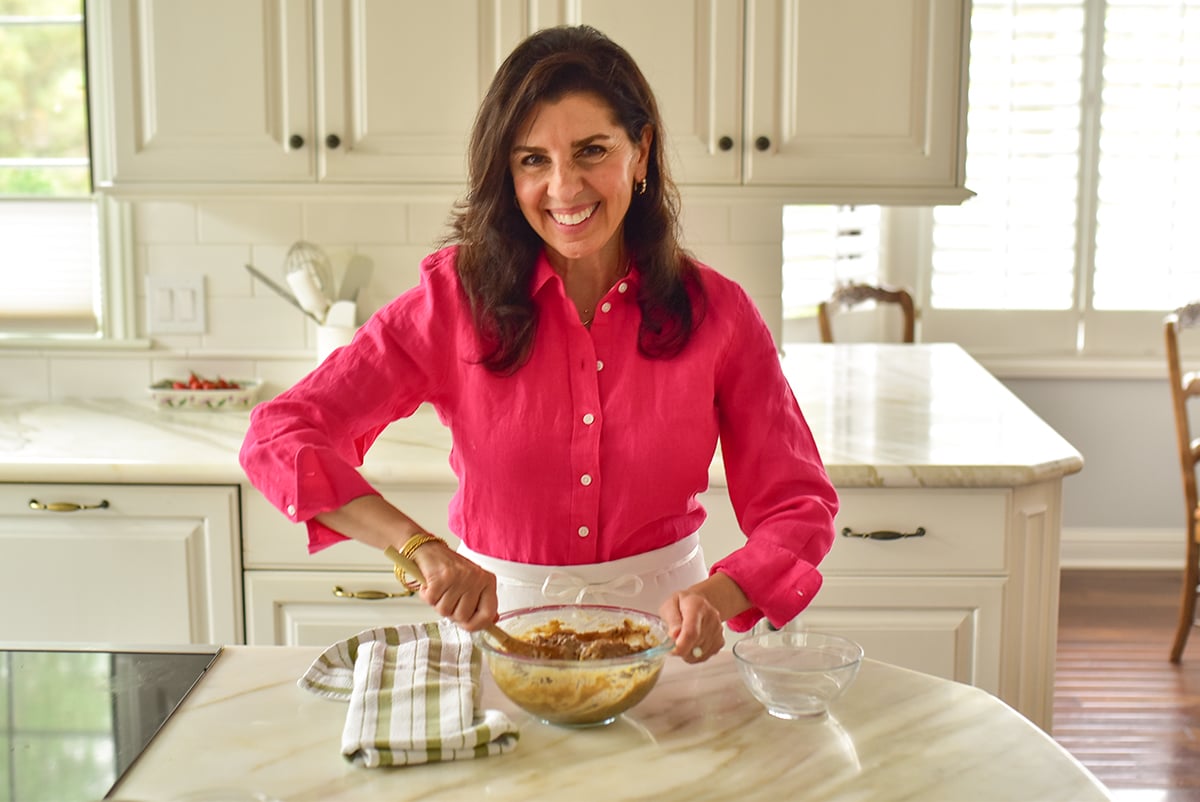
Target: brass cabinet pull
x=885, y=534
x=66, y=506
x=368, y=595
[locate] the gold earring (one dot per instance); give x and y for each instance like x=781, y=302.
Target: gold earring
x=640, y=187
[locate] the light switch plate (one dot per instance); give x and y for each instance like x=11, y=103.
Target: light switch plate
x=175, y=304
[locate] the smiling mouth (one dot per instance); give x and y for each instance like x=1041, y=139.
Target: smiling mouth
x=575, y=218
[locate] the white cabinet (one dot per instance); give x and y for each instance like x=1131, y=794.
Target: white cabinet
x=968, y=591
x=857, y=93
x=317, y=608
x=297, y=599
x=132, y=564
x=838, y=100
x=293, y=90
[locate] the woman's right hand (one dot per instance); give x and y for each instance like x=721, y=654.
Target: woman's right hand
x=456, y=587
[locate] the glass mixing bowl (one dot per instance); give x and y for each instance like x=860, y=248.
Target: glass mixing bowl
x=579, y=692
x=797, y=674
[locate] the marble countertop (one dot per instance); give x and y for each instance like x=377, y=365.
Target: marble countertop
x=895, y=734
x=882, y=415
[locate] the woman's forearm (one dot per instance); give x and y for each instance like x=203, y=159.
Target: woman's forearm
x=372, y=520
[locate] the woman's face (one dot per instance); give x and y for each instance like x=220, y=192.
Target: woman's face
x=574, y=168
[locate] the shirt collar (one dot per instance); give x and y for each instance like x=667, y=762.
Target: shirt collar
x=543, y=274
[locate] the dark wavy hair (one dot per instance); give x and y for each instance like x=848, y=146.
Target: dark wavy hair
x=498, y=249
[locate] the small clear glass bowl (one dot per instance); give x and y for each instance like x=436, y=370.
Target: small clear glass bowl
x=577, y=693
x=797, y=674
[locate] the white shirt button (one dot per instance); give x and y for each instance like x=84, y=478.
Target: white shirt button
x=585, y=480
x=623, y=286
x=606, y=306
x=589, y=419
x=291, y=509
x=599, y=364
x=584, y=531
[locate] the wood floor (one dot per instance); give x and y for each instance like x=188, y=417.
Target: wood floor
x=1120, y=707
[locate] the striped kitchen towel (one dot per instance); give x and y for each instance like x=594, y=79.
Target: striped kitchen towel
x=414, y=694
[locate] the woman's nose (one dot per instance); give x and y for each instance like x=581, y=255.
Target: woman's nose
x=564, y=181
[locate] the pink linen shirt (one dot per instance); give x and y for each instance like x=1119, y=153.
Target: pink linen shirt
x=589, y=452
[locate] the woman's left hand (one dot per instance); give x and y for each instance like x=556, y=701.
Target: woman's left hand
x=695, y=624
x=696, y=616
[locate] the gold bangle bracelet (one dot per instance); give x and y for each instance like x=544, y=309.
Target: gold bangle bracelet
x=417, y=541
x=410, y=546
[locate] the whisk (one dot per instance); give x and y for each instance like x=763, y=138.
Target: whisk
x=307, y=271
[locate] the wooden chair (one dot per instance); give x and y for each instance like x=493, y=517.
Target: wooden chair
x=847, y=296
x=1185, y=386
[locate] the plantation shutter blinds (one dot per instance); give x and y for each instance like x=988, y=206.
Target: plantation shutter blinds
x=48, y=273
x=824, y=246
x=1148, y=190
x=1083, y=146
x=1012, y=246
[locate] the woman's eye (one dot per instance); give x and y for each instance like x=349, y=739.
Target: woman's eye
x=532, y=160
x=593, y=152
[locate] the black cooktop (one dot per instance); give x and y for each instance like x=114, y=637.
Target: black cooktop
x=73, y=721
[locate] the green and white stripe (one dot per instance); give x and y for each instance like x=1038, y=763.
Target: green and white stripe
x=414, y=695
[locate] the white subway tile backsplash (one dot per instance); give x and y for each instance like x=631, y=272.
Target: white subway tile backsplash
x=254, y=325
x=221, y=264
x=429, y=222
x=757, y=222
x=359, y=223
x=702, y=223
x=755, y=267
x=24, y=377
x=164, y=221
x=84, y=377
x=252, y=333
x=249, y=221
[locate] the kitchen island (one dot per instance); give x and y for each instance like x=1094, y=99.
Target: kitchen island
x=946, y=561
x=895, y=734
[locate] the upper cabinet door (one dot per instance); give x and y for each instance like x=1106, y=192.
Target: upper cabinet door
x=214, y=91
x=401, y=83
x=691, y=54
x=863, y=93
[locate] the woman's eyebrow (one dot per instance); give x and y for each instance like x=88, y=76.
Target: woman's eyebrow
x=579, y=143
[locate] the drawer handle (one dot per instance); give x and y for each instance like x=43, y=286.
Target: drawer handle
x=66, y=506
x=885, y=534
x=368, y=595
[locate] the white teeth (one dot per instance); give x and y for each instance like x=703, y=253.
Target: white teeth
x=574, y=219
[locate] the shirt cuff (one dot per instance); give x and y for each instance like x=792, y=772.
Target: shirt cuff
x=778, y=584
x=323, y=482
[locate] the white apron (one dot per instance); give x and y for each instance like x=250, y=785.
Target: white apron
x=642, y=582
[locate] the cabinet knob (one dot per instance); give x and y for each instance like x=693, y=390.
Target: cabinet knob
x=295, y=141
x=762, y=143
x=725, y=143
x=332, y=141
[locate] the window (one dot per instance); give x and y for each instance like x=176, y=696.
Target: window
x=1083, y=148
x=49, y=221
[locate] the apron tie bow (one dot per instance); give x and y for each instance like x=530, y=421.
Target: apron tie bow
x=561, y=586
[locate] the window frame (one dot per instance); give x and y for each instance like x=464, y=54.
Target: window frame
x=116, y=304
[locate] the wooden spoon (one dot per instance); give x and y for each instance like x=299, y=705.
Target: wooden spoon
x=510, y=643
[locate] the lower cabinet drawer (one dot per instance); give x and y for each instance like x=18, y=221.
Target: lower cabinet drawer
x=320, y=608
x=919, y=531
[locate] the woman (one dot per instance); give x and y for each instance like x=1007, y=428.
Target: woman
x=585, y=366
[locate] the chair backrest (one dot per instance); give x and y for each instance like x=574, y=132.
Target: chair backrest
x=1184, y=386
x=848, y=296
